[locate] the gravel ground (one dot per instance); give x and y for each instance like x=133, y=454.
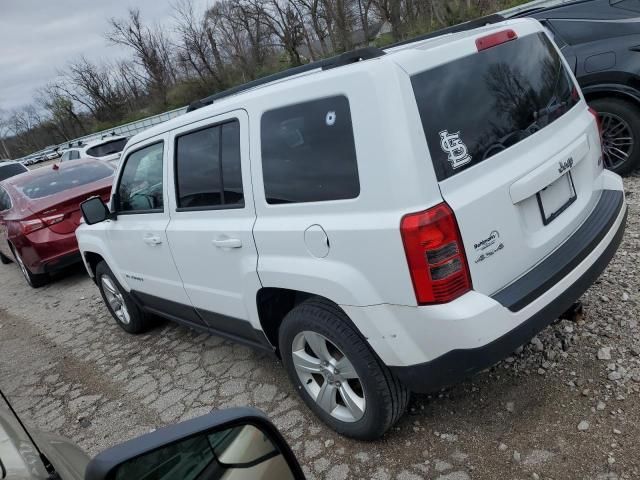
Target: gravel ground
x=563, y=407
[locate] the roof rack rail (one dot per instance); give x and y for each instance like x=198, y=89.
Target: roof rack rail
x=462, y=27
x=343, y=59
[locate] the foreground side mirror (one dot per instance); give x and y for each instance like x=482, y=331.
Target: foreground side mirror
x=239, y=443
x=94, y=211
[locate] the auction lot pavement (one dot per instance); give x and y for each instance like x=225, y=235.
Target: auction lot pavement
x=566, y=406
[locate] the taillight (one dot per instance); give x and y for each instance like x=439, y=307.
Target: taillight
x=598, y=121
x=29, y=226
x=435, y=255
x=495, y=39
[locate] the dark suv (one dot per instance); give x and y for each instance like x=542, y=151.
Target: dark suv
x=601, y=40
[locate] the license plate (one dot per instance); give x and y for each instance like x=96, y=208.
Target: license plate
x=556, y=198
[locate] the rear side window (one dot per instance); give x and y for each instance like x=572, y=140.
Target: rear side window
x=141, y=188
x=108, y=148
x=308, y=152
x=5, y=200
x=56, y=181
x=208, y=170
x=11, y=170
x=475, y=107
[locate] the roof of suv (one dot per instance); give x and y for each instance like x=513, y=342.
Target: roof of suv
x=238, y=101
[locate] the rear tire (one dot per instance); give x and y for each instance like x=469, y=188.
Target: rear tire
x=4, y=260
x=119, y=302
x=365, y=399
x=35, y=280
x=621, y=133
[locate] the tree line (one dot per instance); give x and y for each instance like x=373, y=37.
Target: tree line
x=201, y=53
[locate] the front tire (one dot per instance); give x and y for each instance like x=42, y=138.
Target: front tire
x=620, y=122
x=336, y=373
x=123, y=309
x=35, y=280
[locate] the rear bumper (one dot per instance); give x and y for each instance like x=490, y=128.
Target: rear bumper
x=433, y=346
x=45, y=251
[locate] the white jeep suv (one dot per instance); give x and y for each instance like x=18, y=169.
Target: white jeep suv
x=386, y=221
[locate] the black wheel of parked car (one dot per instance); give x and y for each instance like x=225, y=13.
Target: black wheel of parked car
x=119, y=303
x=337, y=374
x=35, y=280
x=620, y=122
x=4, y=260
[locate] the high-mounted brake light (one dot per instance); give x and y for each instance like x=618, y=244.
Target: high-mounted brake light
x=495, y=39
x=435, y=255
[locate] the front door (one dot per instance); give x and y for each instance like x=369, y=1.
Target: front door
x=138, y=236
x=212, y=217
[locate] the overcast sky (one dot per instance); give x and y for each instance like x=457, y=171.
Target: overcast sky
x=37, y=37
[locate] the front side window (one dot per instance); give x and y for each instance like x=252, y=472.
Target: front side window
x=141, y=184
x=308, y=152
x=208, y=170
x=477, y=106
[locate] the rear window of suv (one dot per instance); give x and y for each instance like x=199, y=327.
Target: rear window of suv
x=109, y=148
x=477, y=106
x=57, y=181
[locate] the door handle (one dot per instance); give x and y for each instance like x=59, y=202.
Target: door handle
x=152, y=240
x=226, y=242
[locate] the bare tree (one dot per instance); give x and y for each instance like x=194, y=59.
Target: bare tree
x=151, y=51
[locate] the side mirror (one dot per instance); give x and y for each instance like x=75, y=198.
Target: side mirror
x=236, y=443
x=94, y=211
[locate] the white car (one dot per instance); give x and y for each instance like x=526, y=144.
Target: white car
x=107, y=149
x=390, y=222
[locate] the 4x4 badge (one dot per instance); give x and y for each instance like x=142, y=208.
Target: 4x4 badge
x=454, y=148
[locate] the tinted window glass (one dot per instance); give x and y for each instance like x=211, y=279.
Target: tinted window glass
x=308, y=152
x=11, y=170
x=480, y=105
x=141, y=183
x=74, y=155
x=56, y=181
x=198, y=169
x=231, y=169
x=632, y=5
x=108, y=148
x=208, y=167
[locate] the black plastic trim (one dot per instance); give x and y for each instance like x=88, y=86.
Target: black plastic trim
x=235, y=329
x=565, y=258
x=63, y=262
x=456, y=365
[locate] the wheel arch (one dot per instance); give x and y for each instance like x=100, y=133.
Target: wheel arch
x=274, y=303
x=614, y=90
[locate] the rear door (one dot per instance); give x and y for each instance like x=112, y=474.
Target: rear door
x=515, y=151
x=212, y=217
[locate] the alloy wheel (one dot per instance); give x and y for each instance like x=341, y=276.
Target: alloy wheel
x=328, y=376
x=23, y=267
x=617, y=140
x=115, y=300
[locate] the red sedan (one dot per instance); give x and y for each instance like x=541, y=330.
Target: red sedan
x=40, y=211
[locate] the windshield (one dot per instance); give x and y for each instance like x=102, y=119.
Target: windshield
x=476, y=107
x=57, y=181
